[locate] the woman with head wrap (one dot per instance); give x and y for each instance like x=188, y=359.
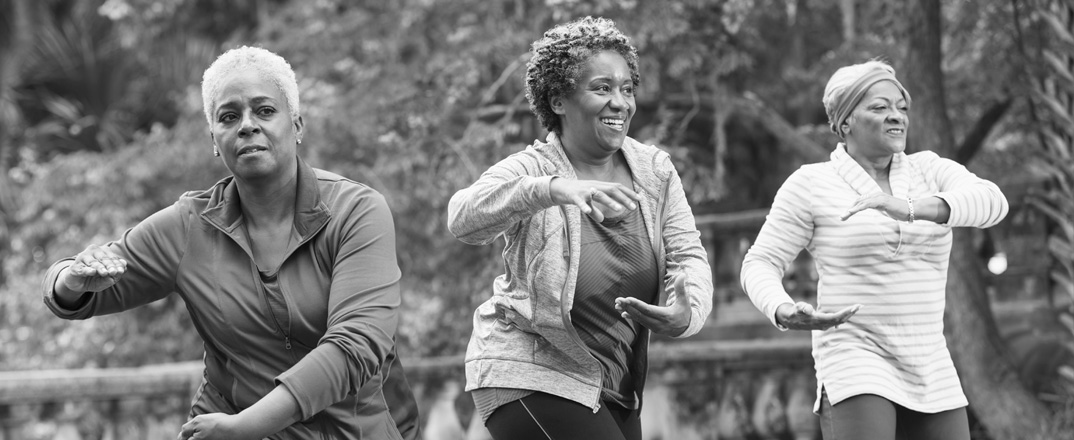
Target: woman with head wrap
x=289, y=274
x=596, y=226
x=878, y=225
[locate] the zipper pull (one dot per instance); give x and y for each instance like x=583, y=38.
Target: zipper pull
x=287, y=342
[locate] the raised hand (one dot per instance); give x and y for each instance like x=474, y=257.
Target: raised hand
x=594, y=197
x=671, y=320
x=802, y=316
x=891, y=206
x=95, y=269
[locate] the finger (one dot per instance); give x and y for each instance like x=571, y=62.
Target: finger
x=623, y=197
x=680, y=284
x=856, y=208
x=804, y=309
x=607, y=200
x=582, y=203
x=596, y=214
x=638, y=309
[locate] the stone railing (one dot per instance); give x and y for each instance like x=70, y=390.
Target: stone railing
x=697, y=390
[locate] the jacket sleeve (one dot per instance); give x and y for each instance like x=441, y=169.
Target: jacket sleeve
x=363, y=304
x=787, y=230
x=684, y=254
x=974, y=202
x=512, y=190
x=153, y=250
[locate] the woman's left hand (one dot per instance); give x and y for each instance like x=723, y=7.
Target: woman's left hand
x=670, y=320
x=213, y=426
x=891, y=206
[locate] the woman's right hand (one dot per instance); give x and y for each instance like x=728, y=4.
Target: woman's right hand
x=802, y=316
x=95, y=269
x=593, y=196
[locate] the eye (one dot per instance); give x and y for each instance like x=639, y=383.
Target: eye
x=628, y=90
x=227, y=117
x=603, y=88
x=266, y=111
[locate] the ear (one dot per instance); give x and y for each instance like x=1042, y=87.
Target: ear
x=557, y=105
x=299, y=126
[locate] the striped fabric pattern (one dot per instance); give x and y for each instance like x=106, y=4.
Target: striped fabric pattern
x=894, y=346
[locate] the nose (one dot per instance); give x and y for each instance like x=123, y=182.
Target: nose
x=897, y=116
x=618, y=100
x=248, y=125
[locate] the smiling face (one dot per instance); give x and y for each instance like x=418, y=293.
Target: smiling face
x=252, y=128
x=879, y=123
x=596, y=116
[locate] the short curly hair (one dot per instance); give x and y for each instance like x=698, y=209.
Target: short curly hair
x=268, y=65
x=558, y=58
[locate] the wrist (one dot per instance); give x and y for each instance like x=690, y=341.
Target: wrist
x=910, y=209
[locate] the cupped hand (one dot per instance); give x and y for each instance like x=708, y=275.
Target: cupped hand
x=891, y=206
x=802, y=316
x=211, y=427
x=95, y=269
x=594, y=197
x=671, y=320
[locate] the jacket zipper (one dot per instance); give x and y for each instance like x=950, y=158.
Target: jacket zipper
x=565, y=315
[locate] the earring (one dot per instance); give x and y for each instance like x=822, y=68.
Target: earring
x=216, y=152
x=299, y=141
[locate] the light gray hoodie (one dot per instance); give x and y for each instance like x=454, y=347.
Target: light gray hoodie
x=523, y=337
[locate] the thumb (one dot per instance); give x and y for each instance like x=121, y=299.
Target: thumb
x=804, y=308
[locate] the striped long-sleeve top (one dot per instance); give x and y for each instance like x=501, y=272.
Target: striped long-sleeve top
x=894, y=346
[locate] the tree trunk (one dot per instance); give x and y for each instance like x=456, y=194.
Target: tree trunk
x=997, y=397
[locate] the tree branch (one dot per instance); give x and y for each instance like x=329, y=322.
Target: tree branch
x=974, y=140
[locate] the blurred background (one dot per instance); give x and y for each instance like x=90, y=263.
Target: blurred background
x=101, y=125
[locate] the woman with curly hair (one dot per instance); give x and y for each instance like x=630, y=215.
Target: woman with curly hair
x=559, y=351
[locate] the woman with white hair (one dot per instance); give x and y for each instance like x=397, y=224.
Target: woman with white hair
x=878, y=225
x=289, y=274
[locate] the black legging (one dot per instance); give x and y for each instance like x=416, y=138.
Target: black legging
x=871, y=417
x=542, y=416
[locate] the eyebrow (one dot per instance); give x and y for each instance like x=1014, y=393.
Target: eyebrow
x=235, y=103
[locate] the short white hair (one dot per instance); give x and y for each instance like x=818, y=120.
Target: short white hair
x=268, y=65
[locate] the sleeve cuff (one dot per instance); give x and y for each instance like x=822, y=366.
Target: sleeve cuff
x=48, y=286
x=311, y=382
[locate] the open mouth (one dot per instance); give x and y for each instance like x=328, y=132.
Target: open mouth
x=896, y=131
x=613, y=123
x=251, y=149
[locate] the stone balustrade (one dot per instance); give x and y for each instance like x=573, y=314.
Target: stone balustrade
x=758, y=389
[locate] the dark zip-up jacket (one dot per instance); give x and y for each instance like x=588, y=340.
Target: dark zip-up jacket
x=323, y=325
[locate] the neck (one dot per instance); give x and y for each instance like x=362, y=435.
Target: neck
x=268, y=203
x=586, y=163
x=875, y=166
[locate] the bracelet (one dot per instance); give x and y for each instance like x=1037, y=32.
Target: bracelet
x=910, y=204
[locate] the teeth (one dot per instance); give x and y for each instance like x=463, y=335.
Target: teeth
x=615, y=122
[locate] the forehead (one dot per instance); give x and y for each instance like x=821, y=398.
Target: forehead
x=883, y=89
x=245, y=86
x=606, y=64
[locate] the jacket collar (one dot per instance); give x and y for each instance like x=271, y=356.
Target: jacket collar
x=224, y=212
x=851, y=171
x=640, y=168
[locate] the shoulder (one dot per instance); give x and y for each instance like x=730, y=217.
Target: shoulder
x=808, y=173
x=650, y=158
x=339, y=192
x=926, y=158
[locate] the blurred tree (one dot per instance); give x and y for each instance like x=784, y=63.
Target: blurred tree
x=1054, y=106
x=997, y=396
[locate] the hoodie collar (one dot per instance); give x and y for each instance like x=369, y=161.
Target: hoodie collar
x=851, y=171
